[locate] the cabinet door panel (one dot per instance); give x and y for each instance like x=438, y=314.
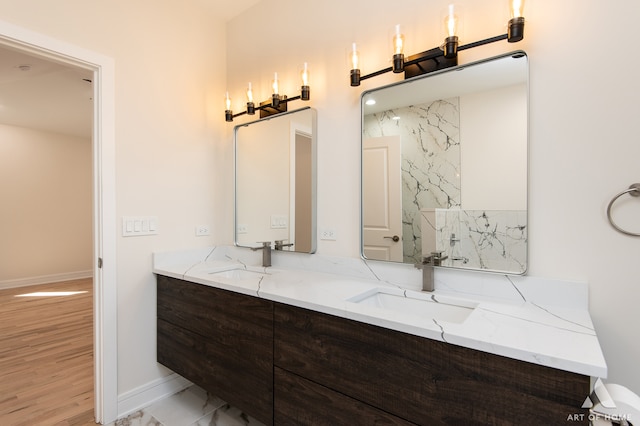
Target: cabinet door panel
x=220, y=340
x=422, y=380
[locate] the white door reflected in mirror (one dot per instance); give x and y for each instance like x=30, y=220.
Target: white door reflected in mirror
x=381, y=198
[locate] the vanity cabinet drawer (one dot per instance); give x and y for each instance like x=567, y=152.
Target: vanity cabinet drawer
x=220, y=340
x=298, y=401
x=421, y=380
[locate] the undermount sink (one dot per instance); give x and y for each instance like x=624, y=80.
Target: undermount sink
x=423, y=305
x=239, y=274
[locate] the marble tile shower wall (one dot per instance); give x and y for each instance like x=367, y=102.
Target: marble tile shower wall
x=430, y=135
x=483, y=239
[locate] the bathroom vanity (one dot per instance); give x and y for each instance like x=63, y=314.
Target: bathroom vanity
x=293, y=346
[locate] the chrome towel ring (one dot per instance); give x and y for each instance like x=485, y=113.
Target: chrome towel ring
x=634, y=191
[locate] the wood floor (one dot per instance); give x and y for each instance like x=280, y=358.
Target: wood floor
x=46, y=356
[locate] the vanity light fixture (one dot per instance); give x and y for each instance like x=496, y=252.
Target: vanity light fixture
x=441, y=57
x=276, y=104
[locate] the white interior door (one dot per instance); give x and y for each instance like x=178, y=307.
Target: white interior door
x=382, y=198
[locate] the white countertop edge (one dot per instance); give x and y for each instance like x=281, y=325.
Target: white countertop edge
x=596, y=369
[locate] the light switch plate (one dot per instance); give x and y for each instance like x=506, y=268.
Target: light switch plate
x=137, y=226
x=279, y=221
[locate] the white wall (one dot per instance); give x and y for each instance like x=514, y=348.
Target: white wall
x=169, y=76
x=583, y=146
x=494, y=149
x=45, y=219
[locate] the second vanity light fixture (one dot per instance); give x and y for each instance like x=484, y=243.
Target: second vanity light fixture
x=277, y=103
x=441, y=57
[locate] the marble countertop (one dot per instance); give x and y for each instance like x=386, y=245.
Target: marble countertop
x=515, y=317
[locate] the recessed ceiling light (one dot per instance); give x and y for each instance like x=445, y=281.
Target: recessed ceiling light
x=370, y=102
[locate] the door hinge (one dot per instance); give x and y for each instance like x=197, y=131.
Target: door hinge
x=99, y=263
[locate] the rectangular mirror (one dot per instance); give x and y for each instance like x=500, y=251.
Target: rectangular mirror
x=445, y=167
x=275, y=181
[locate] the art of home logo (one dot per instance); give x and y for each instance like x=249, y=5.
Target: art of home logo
x=600, y=395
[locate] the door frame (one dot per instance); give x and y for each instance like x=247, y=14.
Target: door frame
x=104, y=211
x=295, y=129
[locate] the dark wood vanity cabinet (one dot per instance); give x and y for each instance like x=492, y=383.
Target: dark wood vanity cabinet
x=327, y=360
x=285, y=365
x=219, y=340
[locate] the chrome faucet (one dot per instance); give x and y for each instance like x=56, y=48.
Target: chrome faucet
x=280, y=245
x=266, y=253
x=427, y=265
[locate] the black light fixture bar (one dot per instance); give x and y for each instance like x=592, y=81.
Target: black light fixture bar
x=432, y=55
x=266, y=108
x=277, y=104
x=483, y=42
x=441, y=57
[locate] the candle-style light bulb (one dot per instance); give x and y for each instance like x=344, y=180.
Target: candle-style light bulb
x=228, y=115
x=450, y=45
x=451, y=21
x=516, y=8
x=355, y=65
x=515, y=30
x=304, y=74
x=249, y=93
x=305, y=91
x=251, y=107
x=275, y=97
x=355, y=57
x=398, y=51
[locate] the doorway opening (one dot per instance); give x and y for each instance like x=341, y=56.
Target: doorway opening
x=103, y=223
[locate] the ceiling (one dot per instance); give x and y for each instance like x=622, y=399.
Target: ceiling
x=41, y=94
x=226, y=9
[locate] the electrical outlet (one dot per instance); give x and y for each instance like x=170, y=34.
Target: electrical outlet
x=203, y=230
x=328, y=234
x=242, y=229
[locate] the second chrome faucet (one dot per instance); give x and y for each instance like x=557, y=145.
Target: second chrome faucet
x=427, y=265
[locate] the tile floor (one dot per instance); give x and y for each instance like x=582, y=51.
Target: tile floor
x=191, y=407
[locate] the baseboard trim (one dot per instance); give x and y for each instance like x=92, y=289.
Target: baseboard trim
x=145, y=395
x=44, y=279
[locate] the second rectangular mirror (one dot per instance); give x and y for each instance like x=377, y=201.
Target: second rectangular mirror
x=444, y=164
x=275, y=181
